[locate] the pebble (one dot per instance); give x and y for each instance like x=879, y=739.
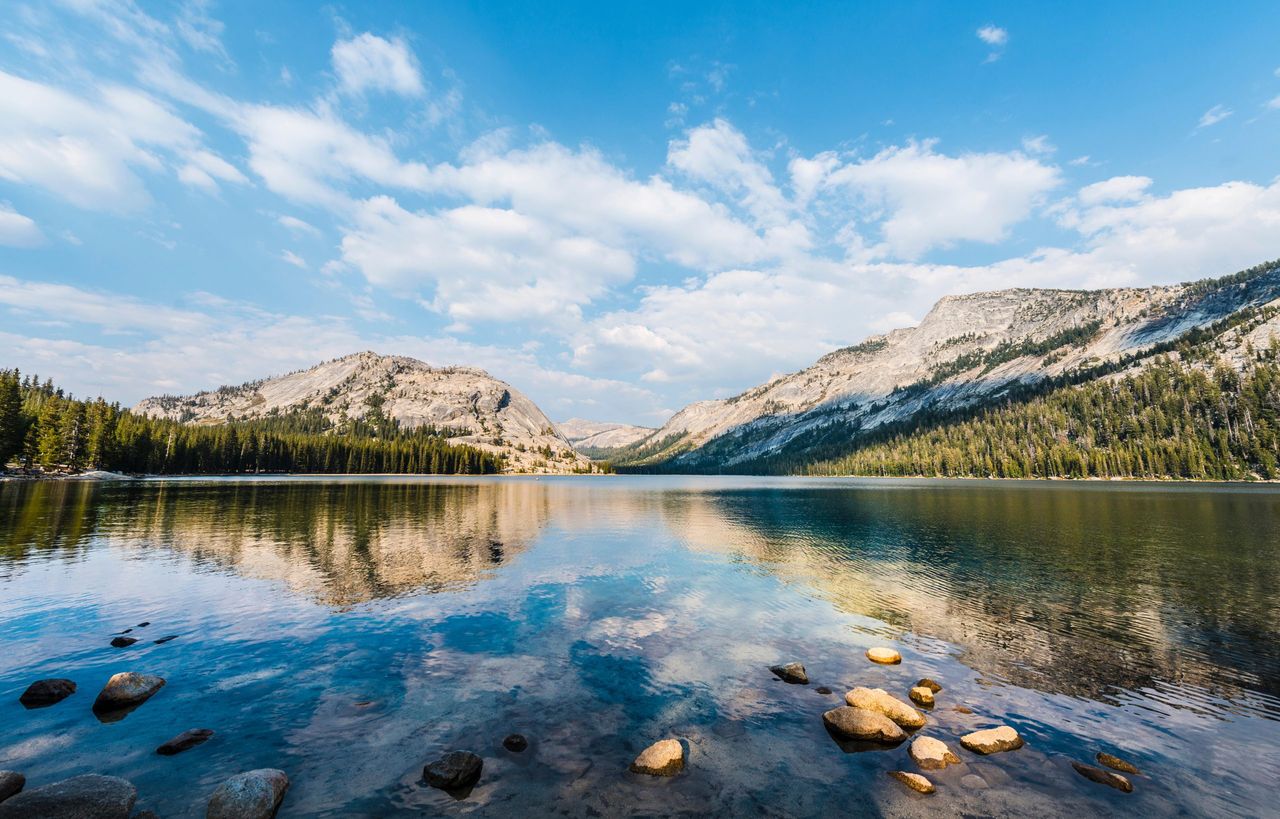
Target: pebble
x=929, y=684
x=992, y=740
x=914, y=781
x=791, y=672
x=823, y=690
x=249, y=795
x=454, y=771
x=90, y=796
x=43, y=693
x=884, y=656
x=663, y=758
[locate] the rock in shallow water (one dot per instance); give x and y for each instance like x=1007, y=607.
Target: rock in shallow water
x=663, y=758
x=1102, y=777
x=165, y=639
x=884, y=656
x=515, y=743
x=992, y=740
x=43, y=693
x=914, y=781
x=859, y=723
x=881, y=701
x=932, y=754
x=123, y=642
x=81, y=797
x=791, y=672
x=126, y=690
x=185, y=741
x=454, y=771
x=11, y=782
x=929, y=684
x=1117, y=763
x=922, y=696
x=249, y=795
x=823, y=690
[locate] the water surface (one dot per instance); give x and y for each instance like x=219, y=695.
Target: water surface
x=348, y=631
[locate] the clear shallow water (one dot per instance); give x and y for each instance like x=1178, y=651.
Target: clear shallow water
x=350, y=631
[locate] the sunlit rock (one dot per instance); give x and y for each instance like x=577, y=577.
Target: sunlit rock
x=1116, y=763
x=791, y=672
x=914, y=781
x=859, y=723
x=884, y=656
x=662, y=758
x=932, y=754
x=921, y=696
x=992, y=740
x=1103, y=777
x=881, y=701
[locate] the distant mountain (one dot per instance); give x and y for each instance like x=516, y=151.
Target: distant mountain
x=969, y=352
x=471, y=406
x=599, y=439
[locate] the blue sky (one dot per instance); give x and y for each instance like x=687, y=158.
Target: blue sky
x=619, y=208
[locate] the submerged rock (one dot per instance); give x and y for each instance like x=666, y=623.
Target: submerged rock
x=43, y=693
x=1116, y=763
x=249, y=795
x=11, y=782
x=881, y=701
x=1103, y=777
x=515, y=743
x=143, y=624
x=992, y=740
x=91, y=796
x=791, y=672
x=123, y=642
x=962, y=709
x=859, y=723
x=974, y=782
x=823, y=690
x=454, y=771
x=125, y=691
x=884, y=656
x=929, y=684
x=185, y=741
x=663, y=758
x=921, y=696
x=166, y=638
x=932, y=754
x=914, y=781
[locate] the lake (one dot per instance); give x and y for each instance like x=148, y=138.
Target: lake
x=348, y=631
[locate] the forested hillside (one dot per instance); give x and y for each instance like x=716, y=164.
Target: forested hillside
x=40, y=426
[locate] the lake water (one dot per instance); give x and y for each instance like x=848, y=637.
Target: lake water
x=349, y=631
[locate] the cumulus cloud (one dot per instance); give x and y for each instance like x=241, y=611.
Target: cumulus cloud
x=368, y=62
x=1115, y=189
x=17, y=230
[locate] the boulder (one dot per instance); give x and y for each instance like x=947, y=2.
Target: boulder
x=185, y=741
x=1103, y=777
x=663, y=758
x=791, y=672
x=1116, y=763
x=929, y=684
x=884, y=656
x=881, y=701
x=123, y=642
x=859, y=723
x=43, y=693
x=249, y=795
x=90, y=796
x=454, y=771
x=515, y=743
x=921, y=696
x=11, y=782
x=125, y=691
x=932, y=754
x=992, y=740
x=914, y=781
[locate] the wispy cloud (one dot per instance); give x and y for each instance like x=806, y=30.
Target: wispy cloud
x=1213, y=116
x=996, y=37
x=294, y=259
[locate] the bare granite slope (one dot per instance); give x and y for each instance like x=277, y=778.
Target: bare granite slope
x=600, y=436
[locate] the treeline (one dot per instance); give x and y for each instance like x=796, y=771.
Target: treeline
x=1169, y=420
x=42, y=427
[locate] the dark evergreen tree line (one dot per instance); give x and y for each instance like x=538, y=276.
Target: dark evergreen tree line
x=41, y=426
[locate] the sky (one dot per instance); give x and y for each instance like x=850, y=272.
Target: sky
x=617, y=208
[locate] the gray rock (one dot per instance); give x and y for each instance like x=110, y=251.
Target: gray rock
x=515, y=743
x=1103, y=777
x=791, y=672
x=454, y=771
x=124, y=692
x=11, y=782
x=974, y=782
x=185, y=741
x=43, y=693
x=81, y=797
x=859, y=723
x=249, y=795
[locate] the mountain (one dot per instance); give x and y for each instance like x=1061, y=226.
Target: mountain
x=969, y=352
x=599, y=439
x=468, y=405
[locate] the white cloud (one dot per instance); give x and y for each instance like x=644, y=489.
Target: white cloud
x=1115, y=189
x=294, y=259
x=993, y=35
x=1038, y=145
x=718, y=155
x=370, y=63
x=297, y=225
x=1275, y=103
x=1213, y=116
x=17, y=230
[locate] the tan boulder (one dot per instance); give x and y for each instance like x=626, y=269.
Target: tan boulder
x=914, y=781
x=663, y=758
x=859, y=723
x=932, y=754
x=992, y=740
x=884, y=656
x=1117, y=763
x=881, y=701
x=922, y=696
